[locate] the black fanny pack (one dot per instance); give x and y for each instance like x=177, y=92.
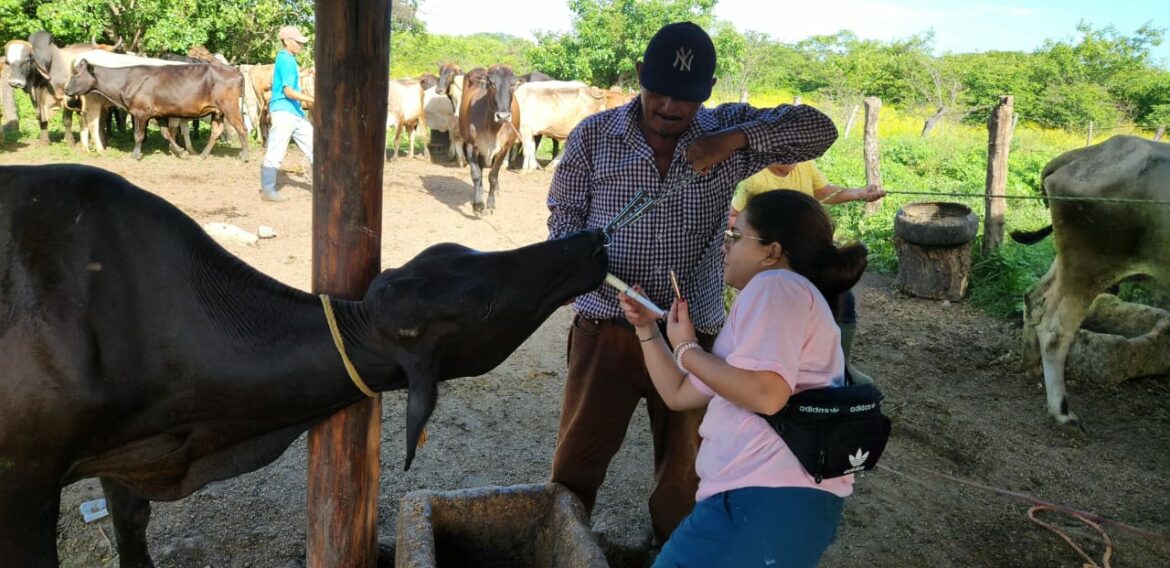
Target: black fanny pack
x=834, y=431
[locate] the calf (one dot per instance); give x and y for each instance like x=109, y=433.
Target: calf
x=486, y=113
x=1097, y=245
x=139, y=351
x=180, y=91
x=404, y=110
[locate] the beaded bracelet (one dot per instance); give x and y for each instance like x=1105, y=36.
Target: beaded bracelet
x=682, y=348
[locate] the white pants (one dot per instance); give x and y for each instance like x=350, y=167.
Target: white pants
x=285, y=126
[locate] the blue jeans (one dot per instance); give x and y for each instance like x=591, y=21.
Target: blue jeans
x=781, y=527
x=285, y=126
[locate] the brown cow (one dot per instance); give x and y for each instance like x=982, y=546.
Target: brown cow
x=486, y=122
x=404, y=110
x=181, y=91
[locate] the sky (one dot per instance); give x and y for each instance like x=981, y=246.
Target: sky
x=959, y=26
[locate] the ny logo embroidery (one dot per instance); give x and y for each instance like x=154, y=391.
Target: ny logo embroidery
x=683, y=58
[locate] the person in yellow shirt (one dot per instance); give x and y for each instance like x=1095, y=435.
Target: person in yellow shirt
x=803, y=177
x=806, y=178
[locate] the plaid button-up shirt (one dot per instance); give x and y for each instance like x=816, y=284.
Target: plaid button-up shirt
x=607, y=161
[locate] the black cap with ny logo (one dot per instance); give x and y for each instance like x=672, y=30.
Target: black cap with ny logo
x=679, y=62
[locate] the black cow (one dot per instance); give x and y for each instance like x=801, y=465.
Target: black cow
x=137, y=350
x=176, y=91
x=488, y=126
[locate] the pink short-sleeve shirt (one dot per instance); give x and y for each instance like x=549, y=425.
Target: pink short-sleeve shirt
x=780, y=322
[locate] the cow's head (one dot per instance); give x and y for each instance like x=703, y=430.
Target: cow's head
x=455, y=312
x=447, y=73
x=83, y=79
x=428, y=80
x=18, y=54
x=500, y=82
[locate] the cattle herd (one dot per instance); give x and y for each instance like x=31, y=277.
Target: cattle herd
x=487, y=113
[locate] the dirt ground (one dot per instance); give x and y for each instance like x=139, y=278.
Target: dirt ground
x=960, y=403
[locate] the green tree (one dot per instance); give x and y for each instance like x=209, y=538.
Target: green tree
x=608, y=36
x=243, y=30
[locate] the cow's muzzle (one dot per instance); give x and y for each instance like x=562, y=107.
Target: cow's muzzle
x=503, y=117
x=16, y=84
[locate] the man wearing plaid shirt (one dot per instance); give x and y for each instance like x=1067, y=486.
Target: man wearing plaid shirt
x=652, y=143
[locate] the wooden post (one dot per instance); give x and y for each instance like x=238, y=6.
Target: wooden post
x=849, y=122
x=11, y=121
x=798, y=100
x=873, y=168
x=999, y=141
x=1089, y=136
x=1160, y=132
x=352, y=59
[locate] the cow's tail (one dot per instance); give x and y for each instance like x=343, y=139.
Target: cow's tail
x=1031, y=237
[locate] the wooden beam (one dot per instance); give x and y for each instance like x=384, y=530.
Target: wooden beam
x=999, y=141
x=349, y=149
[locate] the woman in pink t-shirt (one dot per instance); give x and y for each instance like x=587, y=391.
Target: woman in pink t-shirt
x=756, y=505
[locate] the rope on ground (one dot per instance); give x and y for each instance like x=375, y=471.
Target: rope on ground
x=1089, y=563
x=1089, y=518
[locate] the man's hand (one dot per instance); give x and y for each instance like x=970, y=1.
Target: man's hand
x=710, y=149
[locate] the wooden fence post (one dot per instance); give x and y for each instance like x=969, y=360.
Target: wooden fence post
x=1160, y=132
x=352, y=56
x=873, y=167
x=798, y=100
x=850, y=121
x=999, y=141
x=1089, y=136
x=11, y=122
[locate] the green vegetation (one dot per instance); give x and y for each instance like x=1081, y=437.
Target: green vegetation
x=1103, y=77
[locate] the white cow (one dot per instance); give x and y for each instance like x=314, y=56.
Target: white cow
x=553, y=109
x=441, y=115
x=404, y=109
x=1097, y=244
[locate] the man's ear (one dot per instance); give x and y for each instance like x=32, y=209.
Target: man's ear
x=638, y=68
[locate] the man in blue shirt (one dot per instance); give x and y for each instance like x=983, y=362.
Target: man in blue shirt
x=287, y=116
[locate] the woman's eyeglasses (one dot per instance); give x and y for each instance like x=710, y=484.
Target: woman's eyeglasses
x=730, y=236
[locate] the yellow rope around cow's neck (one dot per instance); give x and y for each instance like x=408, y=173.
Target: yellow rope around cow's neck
x=349, y=368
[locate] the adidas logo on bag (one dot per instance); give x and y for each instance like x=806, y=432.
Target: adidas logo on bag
x=857, y=461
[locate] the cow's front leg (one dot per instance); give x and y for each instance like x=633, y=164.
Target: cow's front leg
x=44, y=137
x=28, y=518
x=139, y=135
x=130, y=514
x=475, y=162
x=67, y=124
x=494, y=182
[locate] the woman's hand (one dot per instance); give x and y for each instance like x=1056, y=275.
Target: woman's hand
x=678, y=323
x=637, y=314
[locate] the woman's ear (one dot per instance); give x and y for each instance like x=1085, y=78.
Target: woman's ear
x=775, y=254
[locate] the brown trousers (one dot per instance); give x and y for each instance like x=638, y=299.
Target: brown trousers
x=606, y=379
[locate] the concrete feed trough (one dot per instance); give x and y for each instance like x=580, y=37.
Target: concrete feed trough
x=523, y=526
